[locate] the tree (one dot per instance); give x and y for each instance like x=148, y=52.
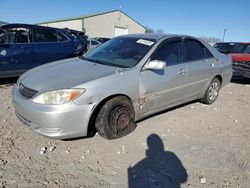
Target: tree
x=149, y=30
x=211, y=40
x=160, y=31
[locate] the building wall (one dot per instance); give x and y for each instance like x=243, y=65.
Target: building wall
x=104, y=25
x=71, y=24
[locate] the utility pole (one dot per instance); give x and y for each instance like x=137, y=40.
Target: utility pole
x=224, y=33
x=120, y=9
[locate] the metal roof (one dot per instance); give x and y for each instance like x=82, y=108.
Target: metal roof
x=88, y=16
x=21, y=25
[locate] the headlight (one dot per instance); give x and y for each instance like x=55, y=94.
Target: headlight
x=58, y=96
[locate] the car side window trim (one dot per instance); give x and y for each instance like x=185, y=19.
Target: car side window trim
x=166, y=42
x=185, y=50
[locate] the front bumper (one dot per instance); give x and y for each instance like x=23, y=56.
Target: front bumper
x=55, y=121
x=241, y=69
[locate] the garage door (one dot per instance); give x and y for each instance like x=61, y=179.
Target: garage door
x=120, y=31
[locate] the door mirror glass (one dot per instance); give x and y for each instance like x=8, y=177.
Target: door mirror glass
x=155, y=65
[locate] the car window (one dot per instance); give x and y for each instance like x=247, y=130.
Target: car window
x=21, y=36
x=195, y=50
x=61, y=37
x=93, y=42
x=81, y=35
x=238, y=49
x=15, y=35
x=45, y=35
x=170, y=52
x=224, y=47
x=247, y=50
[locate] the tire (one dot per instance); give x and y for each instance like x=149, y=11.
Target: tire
x=115, y=118
x=212, y=92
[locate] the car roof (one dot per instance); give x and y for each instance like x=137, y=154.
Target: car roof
x=155, y=36
x=14, y=25
x=227, y=43
x=245, y=43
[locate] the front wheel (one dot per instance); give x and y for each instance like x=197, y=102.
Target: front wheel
x=115, y=118
x=212, y=92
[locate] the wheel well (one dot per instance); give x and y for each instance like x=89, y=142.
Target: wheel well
x=97, y=108
x=219, y=77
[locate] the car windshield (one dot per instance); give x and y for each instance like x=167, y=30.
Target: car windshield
x=14, y=35
x=121, y=51
x=242, y=48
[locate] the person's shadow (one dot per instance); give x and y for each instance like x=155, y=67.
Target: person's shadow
x=159, y=169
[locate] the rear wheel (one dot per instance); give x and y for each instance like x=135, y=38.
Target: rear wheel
x=115, y=118
x=212, y=92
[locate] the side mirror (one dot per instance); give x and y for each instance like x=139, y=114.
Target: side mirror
x=155, y=65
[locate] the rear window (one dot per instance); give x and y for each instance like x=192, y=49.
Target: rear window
x=61, y=37
x=195, y=50
x=247, y=50
x=242, y=48
x=93, y=42
x=224, y=47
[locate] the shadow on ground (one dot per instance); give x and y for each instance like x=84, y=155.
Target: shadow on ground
x=240, y=80
x=158, y=169
x=4, y=82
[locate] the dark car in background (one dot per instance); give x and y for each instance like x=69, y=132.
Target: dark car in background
x=225, y=47
x=93, y=43
x=102, y=39
x=24, y=46
x=241, y=60
x=80, y=35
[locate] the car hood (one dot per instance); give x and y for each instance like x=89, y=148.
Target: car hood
x=240, y=57
x=64, y=74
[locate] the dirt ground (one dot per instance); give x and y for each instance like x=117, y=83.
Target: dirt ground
x=194, y=145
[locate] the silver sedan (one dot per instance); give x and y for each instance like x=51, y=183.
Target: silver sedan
x=116, y=84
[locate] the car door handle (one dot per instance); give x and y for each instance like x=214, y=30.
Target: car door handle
x=182, y=71
x=64, y=45
x=212, y=64
x=25, y=47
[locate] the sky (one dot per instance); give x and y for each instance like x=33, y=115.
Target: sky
x=200, y=18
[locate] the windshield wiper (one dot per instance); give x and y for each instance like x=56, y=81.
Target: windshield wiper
x=94, y=60
x=103, y=62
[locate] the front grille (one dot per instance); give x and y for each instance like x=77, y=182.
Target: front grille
x=27, y=92
x=244, y=64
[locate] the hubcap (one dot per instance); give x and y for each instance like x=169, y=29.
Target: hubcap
x=213, y=91
x=120, y=118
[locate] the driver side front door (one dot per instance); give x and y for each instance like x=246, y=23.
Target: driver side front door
x=160, y=89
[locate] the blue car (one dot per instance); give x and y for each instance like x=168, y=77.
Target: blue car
x=24, y=46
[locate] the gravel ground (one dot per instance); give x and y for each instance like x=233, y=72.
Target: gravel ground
x=194, y=145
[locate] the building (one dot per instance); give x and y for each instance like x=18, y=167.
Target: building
x=106, y=24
